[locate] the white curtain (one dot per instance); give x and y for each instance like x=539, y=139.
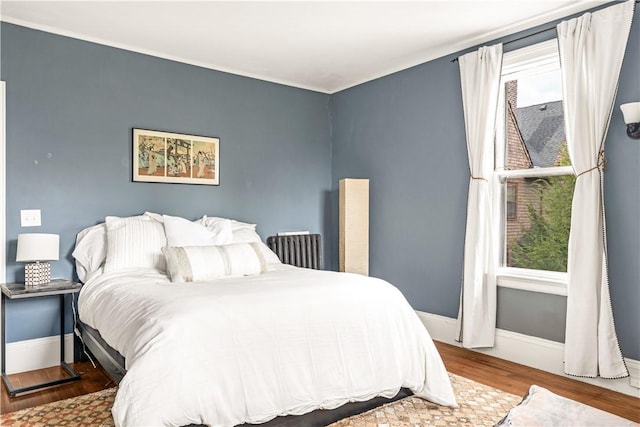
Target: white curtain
x=480, y=73
x=591, y=51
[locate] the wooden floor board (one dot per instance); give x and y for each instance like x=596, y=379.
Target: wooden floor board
x=498, y=373
x=516, y=379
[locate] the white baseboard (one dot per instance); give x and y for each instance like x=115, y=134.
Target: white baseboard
x=530, y=351
x=38, y=353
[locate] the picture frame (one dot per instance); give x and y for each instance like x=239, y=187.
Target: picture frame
x=178, y=158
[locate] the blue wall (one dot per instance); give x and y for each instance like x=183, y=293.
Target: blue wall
x=405, y=132
x=283, y=151
x=71, y=107
x=622, y=204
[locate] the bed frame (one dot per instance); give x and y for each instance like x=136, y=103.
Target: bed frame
x=108, y=357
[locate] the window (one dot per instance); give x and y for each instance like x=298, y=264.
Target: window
x=512, y=195
x=536, y=178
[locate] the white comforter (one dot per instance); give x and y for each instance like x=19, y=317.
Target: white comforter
x=248, y=349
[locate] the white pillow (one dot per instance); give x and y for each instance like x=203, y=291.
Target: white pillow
x=269, y=256
x=223, y=230
x=90, y=250
x=200, y=263
x=182, y=232
x=134, y=242
x=209, y=221
x=242, y=231
x=245, y=235
x=153, y=216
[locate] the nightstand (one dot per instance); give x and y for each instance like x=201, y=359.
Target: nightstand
x=19, y=291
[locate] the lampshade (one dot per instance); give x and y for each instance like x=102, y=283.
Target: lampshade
x=631, y=112
x=37, y=247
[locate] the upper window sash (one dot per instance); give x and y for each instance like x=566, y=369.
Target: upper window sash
x=538, y=58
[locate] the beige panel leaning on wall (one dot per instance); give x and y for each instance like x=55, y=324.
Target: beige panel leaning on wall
x=354, y=225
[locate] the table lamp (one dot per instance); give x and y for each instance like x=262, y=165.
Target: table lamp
x=34, y=248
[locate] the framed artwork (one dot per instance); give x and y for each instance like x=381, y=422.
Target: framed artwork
x=175, y=158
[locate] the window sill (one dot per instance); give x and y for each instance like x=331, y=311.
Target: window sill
x=533, y=281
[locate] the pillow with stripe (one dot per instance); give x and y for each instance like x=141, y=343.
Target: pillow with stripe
x=134, y=242
x=201, y=263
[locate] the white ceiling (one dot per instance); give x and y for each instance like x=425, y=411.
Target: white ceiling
x=325, y=46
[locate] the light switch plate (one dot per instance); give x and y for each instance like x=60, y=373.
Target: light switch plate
x=30, y=218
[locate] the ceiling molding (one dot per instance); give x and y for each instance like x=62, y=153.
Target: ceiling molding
x=431, y=54
x=123, y=46
x=464, y=44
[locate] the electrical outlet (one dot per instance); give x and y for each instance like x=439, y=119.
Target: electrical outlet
x=30, y=218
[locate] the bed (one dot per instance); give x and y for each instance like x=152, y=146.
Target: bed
x=212, y=329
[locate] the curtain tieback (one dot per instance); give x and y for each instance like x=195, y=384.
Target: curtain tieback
x=479, y=177
x=602, y=164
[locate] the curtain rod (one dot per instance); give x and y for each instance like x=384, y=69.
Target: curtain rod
x=527, y=36
x=518, y=39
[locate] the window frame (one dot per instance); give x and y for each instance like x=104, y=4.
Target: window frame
x=513, y=215
x=535, y=59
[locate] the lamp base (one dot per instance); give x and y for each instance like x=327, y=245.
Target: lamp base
x=37, y=273
x=633, y=130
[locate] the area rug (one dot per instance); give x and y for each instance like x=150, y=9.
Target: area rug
x=92, y=409
x=480, y=405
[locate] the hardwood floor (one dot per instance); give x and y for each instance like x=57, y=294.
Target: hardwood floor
x=498, y=373
x=92, y=380
x=516, y=379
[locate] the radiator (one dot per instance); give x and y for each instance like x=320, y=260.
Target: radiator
x=301, y=250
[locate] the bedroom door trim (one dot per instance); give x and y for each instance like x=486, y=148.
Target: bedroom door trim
x=3, y=193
